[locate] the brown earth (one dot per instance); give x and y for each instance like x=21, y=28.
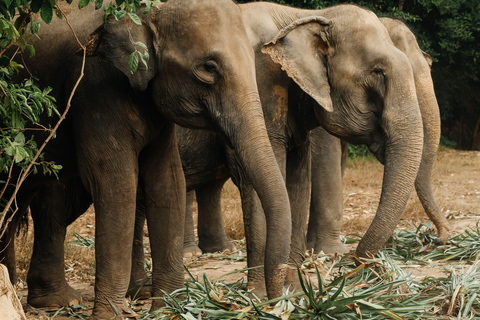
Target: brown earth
x=456, y=182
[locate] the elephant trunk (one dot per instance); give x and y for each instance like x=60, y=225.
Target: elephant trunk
x=431, y=138
x=403, y=150
x=247, y=135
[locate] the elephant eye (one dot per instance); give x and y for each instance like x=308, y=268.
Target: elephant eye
x=379, y=71
x=211, y=66
x=207, y=72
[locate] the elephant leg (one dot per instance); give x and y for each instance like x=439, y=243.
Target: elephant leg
x=298, y=187
x=111, y=178
x=326, y=207
x=53, y=209
x=211, y=231
x=255, y=238
x=165, y=207
x=140, y=285
x=190, y=248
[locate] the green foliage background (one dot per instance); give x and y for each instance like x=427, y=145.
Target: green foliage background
x=448, y=30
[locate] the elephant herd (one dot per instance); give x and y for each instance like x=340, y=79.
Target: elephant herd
x=261, y=93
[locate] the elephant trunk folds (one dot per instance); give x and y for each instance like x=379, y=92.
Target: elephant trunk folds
x=403, y=152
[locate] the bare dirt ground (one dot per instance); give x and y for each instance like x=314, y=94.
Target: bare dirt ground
x=456, y=184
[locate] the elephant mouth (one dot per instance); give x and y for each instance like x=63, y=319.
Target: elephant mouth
x=378, y=150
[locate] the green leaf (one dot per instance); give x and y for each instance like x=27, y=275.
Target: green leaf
x=7, y=3
x=36, y=5
x=83, y=3
x=20, y=154
x=119, y=14
x=35, y=27
x=20, y=137
x=148, y=6
x=31, y=50
x=17, y=120
x=58, y=13
x=135, y=18
x=46, y=12
x=144, y=58
x=98, y=4
x=133, y=61
x=4, y=61
x=141, y=44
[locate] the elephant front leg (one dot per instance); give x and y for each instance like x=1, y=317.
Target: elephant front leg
x=164, y=187
x=53, y=209
x=211, y=231
x=255, y=237
x=114, y=196
x=326, y=207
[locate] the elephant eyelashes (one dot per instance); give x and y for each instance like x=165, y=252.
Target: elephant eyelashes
x=379, y=71
x=207, y=72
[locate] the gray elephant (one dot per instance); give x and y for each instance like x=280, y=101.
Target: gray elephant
x=366, y=74
x=360, y=88
x=342, y=57
x=119, y=136
x=326, y=203
x=328, y=158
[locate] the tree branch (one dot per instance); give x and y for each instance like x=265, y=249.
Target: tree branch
x=50, y=136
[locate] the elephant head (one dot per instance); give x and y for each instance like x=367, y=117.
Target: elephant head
x=365, y=93
x=201, y=74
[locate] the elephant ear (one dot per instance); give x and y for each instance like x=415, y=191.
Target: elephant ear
x=301, y=48
x=117, y=40
x=428, y=58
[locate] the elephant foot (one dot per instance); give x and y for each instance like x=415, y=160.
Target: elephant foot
x=112, y=311
x=257, y=287
x=191, y=251
x=140, y=289
x=442, y=237
x=157, y=304
x=63, y=296
x=335, y=246
x=292, y=282
x=216, y=245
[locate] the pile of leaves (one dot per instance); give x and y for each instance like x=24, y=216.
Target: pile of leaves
x=336, y=288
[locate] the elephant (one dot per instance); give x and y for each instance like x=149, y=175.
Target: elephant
x=119, y=139
x=327, y=167
x=344, y=74
x=341, y=71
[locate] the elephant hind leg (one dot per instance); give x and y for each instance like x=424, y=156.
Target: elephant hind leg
x=211, y=231
x=140, y=287
x=190, y=248
x=53, y=209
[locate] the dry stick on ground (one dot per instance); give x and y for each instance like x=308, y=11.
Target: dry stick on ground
x=52, y=133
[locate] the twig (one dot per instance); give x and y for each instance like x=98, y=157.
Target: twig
x=6, y=95
x=50, y=136
x=8, y=179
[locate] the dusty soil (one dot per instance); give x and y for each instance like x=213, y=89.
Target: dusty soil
x=456, y=183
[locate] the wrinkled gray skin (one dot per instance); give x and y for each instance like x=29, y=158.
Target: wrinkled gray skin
x=119, y=135
x=326, y=204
